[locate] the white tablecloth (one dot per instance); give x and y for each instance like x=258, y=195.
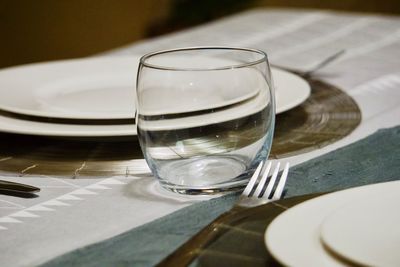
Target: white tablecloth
x=72, y=213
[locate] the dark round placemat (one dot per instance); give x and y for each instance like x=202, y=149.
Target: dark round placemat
x=328, y=115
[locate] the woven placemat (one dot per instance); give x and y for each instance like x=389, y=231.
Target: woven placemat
x=328, y=115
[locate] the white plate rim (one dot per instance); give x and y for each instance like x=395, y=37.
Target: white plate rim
x=286, y=98
x=311, y=213
x=18, y=126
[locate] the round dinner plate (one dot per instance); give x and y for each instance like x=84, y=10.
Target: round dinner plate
x=294, y=237
x=63, y=89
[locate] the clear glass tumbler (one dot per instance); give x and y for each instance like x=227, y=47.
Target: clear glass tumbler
x=205, y=116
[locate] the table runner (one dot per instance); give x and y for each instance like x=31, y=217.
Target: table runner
x=74, y=213
x=370, y=160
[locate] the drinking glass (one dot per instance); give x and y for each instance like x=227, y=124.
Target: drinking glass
x=205, y=116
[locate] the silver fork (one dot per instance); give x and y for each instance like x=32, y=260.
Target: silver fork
x=258, y=191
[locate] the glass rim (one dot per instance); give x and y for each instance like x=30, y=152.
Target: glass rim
x=264, y=58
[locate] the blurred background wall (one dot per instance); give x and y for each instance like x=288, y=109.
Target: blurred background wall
x=40, y=30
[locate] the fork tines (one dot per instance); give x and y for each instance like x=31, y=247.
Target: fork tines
x=264, y=185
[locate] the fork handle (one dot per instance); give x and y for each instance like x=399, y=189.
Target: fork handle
x=187, y=252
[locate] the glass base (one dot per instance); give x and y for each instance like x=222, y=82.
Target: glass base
x=221, y=188
x=204, y=175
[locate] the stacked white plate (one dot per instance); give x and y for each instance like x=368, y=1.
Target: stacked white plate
x=359, y=226
x=71, y=92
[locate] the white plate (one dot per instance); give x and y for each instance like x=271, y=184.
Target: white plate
x=103, y=88
x=293, y=238
x=366, y=232
x=94, y=80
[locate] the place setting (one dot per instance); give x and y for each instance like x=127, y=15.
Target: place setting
x=64, y=111
x=202, y=120
x=199, y=134
x=60, y=93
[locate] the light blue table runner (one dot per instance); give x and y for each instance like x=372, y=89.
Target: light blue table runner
x=371, y=160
